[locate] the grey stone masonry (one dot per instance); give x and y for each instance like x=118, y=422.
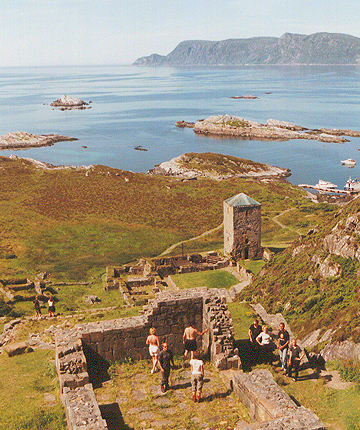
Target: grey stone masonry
x=270, y=406
x=81, y=409
x=170, y=313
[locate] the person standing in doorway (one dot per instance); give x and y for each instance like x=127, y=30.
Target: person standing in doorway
x=189, y=340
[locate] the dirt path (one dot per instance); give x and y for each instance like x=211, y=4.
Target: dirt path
x=275, y=219
x=213, y=230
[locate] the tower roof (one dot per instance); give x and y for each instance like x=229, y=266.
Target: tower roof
x=241, y=200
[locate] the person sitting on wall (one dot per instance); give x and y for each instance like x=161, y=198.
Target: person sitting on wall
x=154, y=347
x=189, y=339
x=254, y=332
x=166, y=359
x=264, y=339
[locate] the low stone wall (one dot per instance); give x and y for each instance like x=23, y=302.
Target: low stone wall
x=170, y=313
x=270, y=406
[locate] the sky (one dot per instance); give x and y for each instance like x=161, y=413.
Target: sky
x=97, y=32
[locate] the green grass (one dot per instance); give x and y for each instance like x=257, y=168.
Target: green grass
x=243, y=316
x=24, y=379
x=73, y=225
x=209, y=279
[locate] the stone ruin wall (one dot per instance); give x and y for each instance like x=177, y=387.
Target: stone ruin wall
x=269, y=405
x=169, y=313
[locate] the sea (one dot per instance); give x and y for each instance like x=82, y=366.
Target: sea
x=138, y=107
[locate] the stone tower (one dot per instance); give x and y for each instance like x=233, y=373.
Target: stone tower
x=242, y=227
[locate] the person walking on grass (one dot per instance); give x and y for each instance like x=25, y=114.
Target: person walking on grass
x=51, y=305
x=37, y=308
x=197, y=376
x=166, y=360
x=154, y=347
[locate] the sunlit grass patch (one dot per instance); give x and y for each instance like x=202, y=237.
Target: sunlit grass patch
x=209, y=279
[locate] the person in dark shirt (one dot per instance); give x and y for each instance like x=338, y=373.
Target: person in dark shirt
x=254, y=331
x=283, y=346
x=295, y=357
x=166, y=359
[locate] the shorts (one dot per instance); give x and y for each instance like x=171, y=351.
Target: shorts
x=190, y=345
x=197, y=382
x=153, y=350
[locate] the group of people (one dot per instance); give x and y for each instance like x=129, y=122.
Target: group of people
x=165, y=359
x=51, y=307
x=290, y=353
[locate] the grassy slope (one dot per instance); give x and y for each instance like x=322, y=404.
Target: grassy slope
x=291, y=284
x=73, y=225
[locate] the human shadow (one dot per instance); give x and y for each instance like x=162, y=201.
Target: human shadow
x=247, y=354
x=112, y=415
x=97, y=367
x=214, y=396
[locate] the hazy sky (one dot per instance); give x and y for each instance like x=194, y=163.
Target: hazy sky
x=72, y=32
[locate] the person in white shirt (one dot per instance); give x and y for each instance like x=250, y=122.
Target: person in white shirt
x=264, y=339
x=197, y=376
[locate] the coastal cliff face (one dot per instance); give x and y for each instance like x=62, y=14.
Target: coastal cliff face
x=289, y=49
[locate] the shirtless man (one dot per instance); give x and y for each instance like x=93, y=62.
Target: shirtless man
x=189, y=339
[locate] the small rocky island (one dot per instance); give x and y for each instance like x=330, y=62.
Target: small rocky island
x=69, y=102
x=23, y=140
x=216, y=166
x=232, y=126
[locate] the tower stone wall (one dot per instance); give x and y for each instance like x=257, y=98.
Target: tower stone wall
x=242, y=228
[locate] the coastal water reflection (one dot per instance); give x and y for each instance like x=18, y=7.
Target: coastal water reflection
x=139, y=106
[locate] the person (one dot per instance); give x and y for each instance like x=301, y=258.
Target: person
x=189, y=339
x=197, y=376
x=283, y=346
x=264, y=340
x=51, y=305
x=254, y=331
x=154, y=347
x=166, y=360
x=37, y=308
x=295, y=357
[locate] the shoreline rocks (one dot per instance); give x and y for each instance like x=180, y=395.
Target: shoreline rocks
x=231, y=126
x=216, y=166
x=22, y=139
x=69, y=102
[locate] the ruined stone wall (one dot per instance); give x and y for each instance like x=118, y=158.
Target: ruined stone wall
x=170, y=313
x=270, y=406
x=242, y=231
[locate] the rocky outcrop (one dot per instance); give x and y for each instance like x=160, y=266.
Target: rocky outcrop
x=231, y=126
x=216, y=166
x=69, y=102
x=22, y=139
x=344, y=239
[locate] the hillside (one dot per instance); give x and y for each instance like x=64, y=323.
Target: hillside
x=289, y=49
x=314, y=283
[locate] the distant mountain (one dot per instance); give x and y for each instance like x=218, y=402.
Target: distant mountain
x=289, y=49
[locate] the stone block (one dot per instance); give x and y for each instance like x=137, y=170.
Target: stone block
x=96, y=336
x=17, y=349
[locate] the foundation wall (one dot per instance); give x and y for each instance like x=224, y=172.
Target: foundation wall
x=170, y=313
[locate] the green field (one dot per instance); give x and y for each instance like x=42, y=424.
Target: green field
x=209, y=279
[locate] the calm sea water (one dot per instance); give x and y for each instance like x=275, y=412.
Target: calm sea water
x=139, y=106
